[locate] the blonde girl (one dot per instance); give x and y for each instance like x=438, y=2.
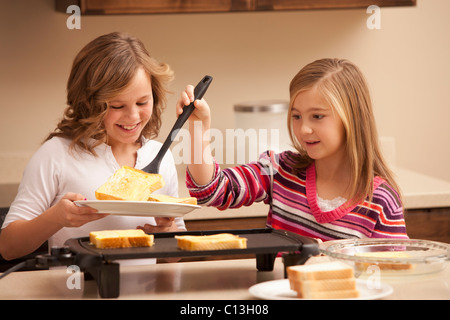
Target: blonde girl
x=115, y=95
x=335, y=186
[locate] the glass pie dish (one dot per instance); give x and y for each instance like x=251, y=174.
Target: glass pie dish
x=389, y=257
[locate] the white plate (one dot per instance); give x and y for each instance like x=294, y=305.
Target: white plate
x=139, y=208
x=280, y=290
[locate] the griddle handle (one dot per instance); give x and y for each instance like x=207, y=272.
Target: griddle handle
x=308, y=247
x=308, y=243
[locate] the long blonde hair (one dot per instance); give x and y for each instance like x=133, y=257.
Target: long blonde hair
x=100, y=72
x=344, y=87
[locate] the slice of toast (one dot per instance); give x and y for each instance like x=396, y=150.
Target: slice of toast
x=396, y=255
x=165, y=198
x=320, y=271
x=219, y=241
x=329, y=280
x=334, y=294
x=309, y=288
x=129, y=184
x=108, y=239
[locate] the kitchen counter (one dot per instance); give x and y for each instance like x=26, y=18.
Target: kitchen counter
x=419, y=192
x=206, y=280
x=422, y=191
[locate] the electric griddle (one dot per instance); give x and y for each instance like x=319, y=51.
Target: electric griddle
x=100, y=264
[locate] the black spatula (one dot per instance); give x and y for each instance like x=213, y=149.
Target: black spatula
x=199, y=91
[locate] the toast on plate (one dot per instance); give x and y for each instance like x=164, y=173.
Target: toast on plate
x=330, y=280
x=129, y=184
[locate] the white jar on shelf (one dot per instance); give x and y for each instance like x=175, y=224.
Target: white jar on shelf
x=260, y=126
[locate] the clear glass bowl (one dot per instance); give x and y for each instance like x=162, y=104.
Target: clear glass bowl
x=389, y=257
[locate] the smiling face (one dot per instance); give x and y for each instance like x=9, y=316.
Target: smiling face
x=130, y=111
x=317, y=128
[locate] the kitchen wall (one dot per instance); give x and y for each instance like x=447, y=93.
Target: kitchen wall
x=251, y=56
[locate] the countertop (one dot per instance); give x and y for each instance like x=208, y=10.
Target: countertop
x=205, y=280
x=419, y=191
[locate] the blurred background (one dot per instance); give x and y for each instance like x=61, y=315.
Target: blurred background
x=251, y=55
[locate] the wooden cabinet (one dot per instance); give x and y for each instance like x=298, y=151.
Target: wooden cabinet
x=102, y=7
x=428, y=224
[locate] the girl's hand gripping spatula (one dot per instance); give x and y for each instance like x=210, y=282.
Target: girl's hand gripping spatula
x=199, y=91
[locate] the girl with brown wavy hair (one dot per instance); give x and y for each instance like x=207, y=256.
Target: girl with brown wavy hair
x=115, y=95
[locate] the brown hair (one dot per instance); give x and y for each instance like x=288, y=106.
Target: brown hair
x=100, y=72
x=344, y=87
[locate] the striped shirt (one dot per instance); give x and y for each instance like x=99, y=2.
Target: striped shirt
x=292, y=200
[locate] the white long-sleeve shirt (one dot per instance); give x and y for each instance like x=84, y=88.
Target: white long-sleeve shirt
x=54, y=170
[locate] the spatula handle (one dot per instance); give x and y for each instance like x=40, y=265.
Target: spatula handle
x=199, y=91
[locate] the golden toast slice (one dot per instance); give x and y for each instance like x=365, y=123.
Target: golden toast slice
x=219, y=241
x=384, y=265
x=109, y=239
x=129, y=184
x=165, y=198
x=329, y=280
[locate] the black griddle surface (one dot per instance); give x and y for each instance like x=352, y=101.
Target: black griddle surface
x=259, y=241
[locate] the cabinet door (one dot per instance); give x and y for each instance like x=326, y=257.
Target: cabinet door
x=100, y=7
x=327, y=4
x=163, y=6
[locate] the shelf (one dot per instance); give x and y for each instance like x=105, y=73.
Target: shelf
x=107, y=7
